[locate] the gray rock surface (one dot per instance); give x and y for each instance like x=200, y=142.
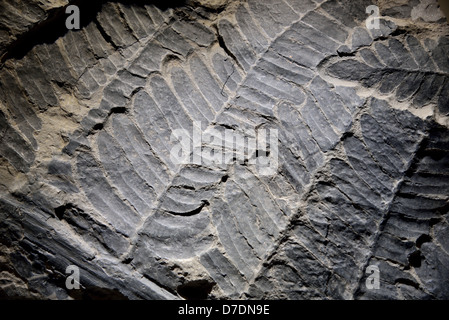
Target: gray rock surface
x=88, y=122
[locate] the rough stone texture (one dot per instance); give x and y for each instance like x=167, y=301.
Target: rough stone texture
x=87, y=119
x=18, y=17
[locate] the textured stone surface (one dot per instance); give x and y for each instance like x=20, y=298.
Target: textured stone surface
x=88, y=118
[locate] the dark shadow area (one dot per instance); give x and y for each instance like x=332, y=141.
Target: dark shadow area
x=415, y=259
x=60, y=211
x=422, y=239
x=195, y=290
x=407, y=282
x=49, y=30
x=444, y=6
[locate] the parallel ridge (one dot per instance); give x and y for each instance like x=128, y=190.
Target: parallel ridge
x=82, y=60
x=13, y=147
x=140, y=140
x=17, y=147
x=15, y=23
x=256, y=69
x=328, y=247
x=263, y=69
x=38, y=247
x=83, y=63
x=412, y=249
x=410, y=69
x=273, y=92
